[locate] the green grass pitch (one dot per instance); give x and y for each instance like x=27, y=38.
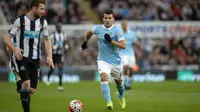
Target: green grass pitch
x=169, y=96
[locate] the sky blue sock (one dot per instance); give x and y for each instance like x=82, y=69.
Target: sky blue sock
x=106, y=91
x=129, y=82
x=125, y=80
x=120, y=89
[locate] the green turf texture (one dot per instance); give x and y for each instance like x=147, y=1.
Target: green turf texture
x=169, y=96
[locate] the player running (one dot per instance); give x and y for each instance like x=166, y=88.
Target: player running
x=58, y=39
x=128, y=54
x=110, y=41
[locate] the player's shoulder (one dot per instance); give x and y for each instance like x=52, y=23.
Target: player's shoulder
x=117, y=28
x=131, y=32
x=17, y=18
x=43, y=20
x=97, y=26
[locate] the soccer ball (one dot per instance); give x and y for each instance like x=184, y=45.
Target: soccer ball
x=75, y=106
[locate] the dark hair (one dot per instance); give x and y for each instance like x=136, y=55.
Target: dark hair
x=108, y=11
x=36, y=3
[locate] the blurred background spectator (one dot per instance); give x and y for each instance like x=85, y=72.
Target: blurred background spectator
x=65, y=11
x=170, y=51
x=150, y=9
x=150, y=52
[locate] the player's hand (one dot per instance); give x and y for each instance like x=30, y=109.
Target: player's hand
x=18, y=53
x=50, y=62
x=107, y=38
x=84, y=45
x=8, y=50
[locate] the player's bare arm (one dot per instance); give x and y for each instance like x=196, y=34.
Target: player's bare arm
x=47, y=42
x=120, y=44
x=9, y=44
x=87, y=37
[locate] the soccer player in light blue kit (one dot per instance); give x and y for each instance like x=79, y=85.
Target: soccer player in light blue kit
x=128, y=54
x=110, y=41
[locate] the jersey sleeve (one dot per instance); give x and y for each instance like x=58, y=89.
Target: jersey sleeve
x=14, y=27
x=54, y=46
x=120, y=35
x=45, y=32
x=94, y=29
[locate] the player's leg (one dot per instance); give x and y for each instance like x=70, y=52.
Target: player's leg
x=104, y=70
x=130, y=72
x=25, y=80
x=34, y=72
x=120, y=88
x=125, y=69
x=126, y=75
x=18, y=81
x=13, y=68
x=117, y=73
x=60, y=73
x=34, y=76
x=49, y=74
x=129, y=79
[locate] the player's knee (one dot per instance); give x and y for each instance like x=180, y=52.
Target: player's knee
x=126, y=70
x=60, y=66
x=32, y=90
x=118, y=82
x=26, y=84
x=104, y=77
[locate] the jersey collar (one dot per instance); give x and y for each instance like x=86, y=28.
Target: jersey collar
x=108, y=28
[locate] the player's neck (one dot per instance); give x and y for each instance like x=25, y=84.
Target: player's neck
x=108, y=27
x=31, y=15
x=59, y=31
x=125, y=30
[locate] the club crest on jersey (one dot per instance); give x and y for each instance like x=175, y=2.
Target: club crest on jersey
x=110, y=33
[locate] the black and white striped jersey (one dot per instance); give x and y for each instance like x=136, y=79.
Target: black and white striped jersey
x=58, y=40
x=26, y=35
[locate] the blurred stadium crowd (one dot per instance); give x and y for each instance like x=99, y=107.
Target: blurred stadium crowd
x=69, y=11
x=65, y=11
x=168, y=51
x=150, y=52
x=150, y=9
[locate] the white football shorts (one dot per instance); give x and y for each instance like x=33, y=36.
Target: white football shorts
x=113, y=71
x=128, y=60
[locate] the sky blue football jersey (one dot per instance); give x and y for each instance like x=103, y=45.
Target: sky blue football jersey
x=130, y=38
x=107, y=51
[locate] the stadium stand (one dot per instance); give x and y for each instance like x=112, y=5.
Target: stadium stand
x=65, y=11
x=150, y=52
x=170, y=51
x=150, y=9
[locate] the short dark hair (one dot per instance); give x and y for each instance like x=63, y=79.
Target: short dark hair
x=36, y=3
x=108, y=11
